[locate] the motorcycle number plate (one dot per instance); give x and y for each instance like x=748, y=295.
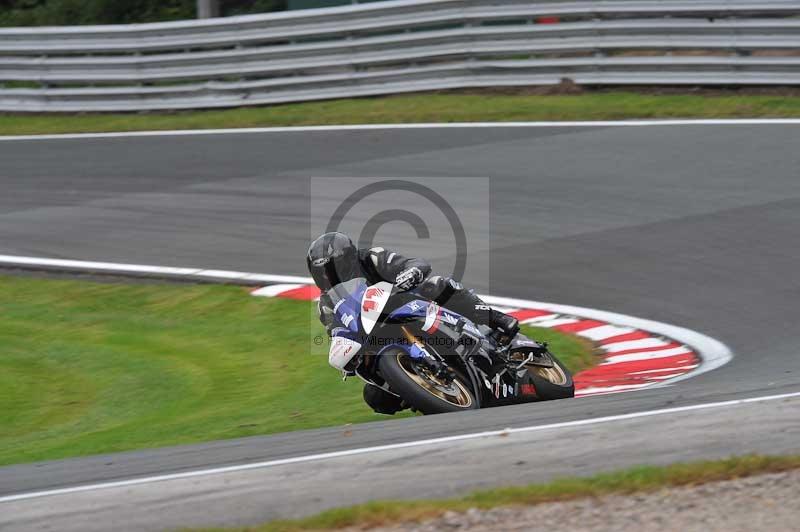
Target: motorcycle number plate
x=372, y=304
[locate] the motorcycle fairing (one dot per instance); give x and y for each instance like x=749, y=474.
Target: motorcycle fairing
x=523, y=348
x=347, y=308
x=342, y=351
x=433, y=316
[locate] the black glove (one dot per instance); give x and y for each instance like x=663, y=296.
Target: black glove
x=326, y=316
x=409, y=278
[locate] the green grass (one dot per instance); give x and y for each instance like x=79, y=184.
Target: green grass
x=435, y=107
x=91, y=368
x=636, y=480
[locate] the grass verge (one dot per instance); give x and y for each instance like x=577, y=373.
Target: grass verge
x=635, y=480
x=426, y=107
x=98, y=367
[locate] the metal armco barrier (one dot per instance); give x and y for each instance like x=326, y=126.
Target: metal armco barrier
x=397, y=46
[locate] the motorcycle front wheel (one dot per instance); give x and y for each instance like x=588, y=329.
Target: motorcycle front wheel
x=552, y=383
x=418, y=387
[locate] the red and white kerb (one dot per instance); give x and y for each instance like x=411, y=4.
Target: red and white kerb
x=630, y=359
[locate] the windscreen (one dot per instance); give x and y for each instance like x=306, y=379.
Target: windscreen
x=352, y=289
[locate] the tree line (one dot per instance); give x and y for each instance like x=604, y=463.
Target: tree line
x=81, y=12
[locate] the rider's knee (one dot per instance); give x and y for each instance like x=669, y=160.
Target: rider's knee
x=382, y=401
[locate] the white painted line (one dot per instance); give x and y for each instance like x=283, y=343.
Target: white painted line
x=95, y=266
x=556, y=322
x=662, y=370
x=647, y=355
x=603, y=332
x=537, y=319
x=220, y=274
x=454, y=125
x=275, y=289
x=644, y=343
x=268, y=278
x=394, y=446
x=91, y=266
x=665, y=377
x=602, y=390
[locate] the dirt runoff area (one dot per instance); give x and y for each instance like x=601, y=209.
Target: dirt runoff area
x=765, y=503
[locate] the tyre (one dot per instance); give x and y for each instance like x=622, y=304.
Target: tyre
x=552, y=383
x=420, y=389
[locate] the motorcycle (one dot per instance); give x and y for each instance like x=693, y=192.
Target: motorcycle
x=433, y=360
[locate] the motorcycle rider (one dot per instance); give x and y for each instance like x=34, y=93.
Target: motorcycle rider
x=333, y=258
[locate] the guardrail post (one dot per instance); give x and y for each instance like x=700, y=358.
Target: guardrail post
x=207, y=8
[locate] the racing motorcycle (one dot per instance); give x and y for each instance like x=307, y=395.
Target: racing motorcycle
x=435, y=360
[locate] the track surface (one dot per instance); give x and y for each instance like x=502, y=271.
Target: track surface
x=693, y=225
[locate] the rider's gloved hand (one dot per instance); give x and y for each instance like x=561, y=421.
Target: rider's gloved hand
x=409, y=278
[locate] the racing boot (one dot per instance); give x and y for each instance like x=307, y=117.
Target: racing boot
x=505, y=325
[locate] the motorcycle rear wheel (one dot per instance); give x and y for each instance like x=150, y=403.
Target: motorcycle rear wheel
x=422, y=390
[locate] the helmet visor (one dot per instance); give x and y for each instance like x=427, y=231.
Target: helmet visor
x=329, y=272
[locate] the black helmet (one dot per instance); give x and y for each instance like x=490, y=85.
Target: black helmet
x=332, y=259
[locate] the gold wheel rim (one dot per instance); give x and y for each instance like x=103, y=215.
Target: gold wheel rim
x=554, y=375
x=459, y=396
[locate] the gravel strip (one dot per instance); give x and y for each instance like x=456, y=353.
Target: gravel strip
x=765, y=503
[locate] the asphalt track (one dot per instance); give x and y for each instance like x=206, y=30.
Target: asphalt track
x=694, y=225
